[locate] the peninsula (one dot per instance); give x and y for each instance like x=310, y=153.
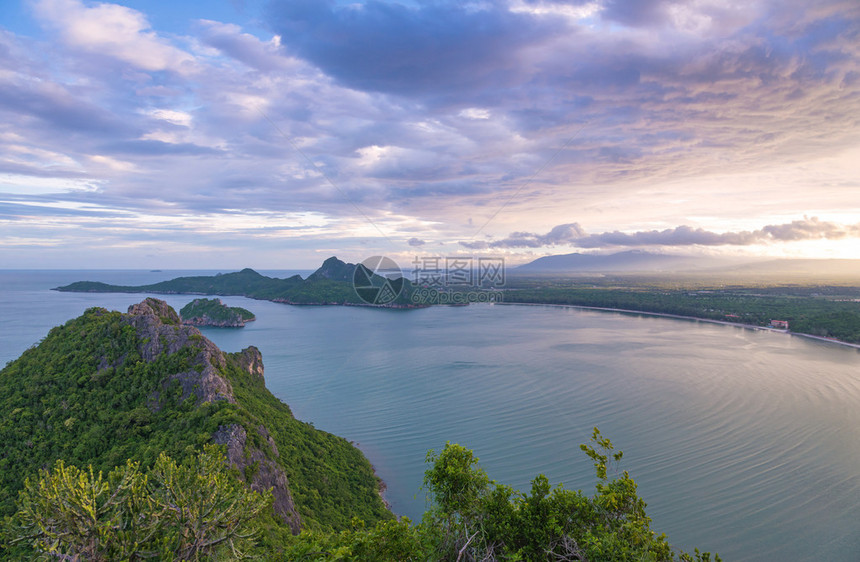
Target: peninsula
x=331, y=284
x=107, y=386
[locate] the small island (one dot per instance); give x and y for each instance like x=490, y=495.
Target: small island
x=213, y=312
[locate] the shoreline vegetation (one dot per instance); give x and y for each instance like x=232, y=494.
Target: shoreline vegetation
x=681, y=317
x=803, y=307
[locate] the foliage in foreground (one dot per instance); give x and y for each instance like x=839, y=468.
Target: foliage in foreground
x=474, y=518
x=200, y=511
x=174, y=512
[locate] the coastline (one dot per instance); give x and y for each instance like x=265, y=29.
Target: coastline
x=381, y=489
x=682, y=317
x=381, y=486
x=411, y=306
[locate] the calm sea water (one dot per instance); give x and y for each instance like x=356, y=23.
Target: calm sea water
x=743, y=442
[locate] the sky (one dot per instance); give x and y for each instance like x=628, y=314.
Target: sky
x=274, y=134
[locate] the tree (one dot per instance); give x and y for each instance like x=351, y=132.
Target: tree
x=204, y=506
x=180, y=512
x=455, y=479
x=74, y=514
x=477, y=519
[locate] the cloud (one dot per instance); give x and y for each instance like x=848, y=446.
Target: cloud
x=415, y=242
x=806, y=229
x=173, y=117
x=573, y=234
x=244, y=47
x=158, y=148
x=111, y=30
x=392, y=47
x=636, y=12
x=660, y=97
x=809, y=229
x=54, y=105
x=425, y=115
x=561, y=234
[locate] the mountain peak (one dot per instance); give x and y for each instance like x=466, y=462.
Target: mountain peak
x=334, y=270
x=157, y=308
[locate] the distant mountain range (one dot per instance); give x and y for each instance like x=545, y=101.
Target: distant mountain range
x=640, y=261
x=633, y=260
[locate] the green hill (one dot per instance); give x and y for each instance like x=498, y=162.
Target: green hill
x=212, y=312
x=106, y=387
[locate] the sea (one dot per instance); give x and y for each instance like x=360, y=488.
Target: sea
x=743, y=442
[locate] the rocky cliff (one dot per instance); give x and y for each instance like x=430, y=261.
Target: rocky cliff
x=159, y=330
x=106, y=387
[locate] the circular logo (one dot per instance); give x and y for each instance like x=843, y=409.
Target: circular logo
x=377, y=280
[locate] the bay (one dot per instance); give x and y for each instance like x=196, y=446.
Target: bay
x=743, y=442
